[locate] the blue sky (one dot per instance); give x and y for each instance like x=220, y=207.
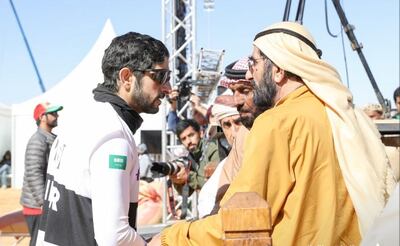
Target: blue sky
x=62, y=32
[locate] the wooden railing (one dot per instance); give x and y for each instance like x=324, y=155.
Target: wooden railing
x=246, y=220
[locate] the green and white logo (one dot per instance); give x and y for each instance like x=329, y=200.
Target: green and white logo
x=117, y=162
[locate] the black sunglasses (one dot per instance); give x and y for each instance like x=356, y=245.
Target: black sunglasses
x=162, y=76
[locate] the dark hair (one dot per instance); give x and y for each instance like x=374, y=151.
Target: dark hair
x=7, y=153
x=132, y=50
x=183, y=124
x=396, y=94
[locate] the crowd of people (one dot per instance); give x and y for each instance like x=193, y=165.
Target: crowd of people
x=281, y=126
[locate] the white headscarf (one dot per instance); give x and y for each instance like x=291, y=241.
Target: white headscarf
x=224, y=108
x=361, y=154
x=221, y=111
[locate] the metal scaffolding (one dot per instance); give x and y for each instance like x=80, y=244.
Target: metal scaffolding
x=201, y=70
x=178, y=19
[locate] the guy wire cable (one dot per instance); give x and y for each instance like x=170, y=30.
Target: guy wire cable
x=335, y=36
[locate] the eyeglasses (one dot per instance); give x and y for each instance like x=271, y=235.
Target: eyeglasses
x=162, y=76
x=253, y=61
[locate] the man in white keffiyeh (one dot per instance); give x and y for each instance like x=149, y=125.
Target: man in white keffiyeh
x=360, y=153
x=316, y=160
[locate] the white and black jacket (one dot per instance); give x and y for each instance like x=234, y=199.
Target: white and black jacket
x=92, y=182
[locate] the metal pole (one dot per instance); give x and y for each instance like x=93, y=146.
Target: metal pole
x=164, y=124
x=300, y=11
x=27, y=46
x=287, y=10
x=356, y=46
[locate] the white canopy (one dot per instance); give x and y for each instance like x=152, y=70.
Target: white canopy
x=5, y=129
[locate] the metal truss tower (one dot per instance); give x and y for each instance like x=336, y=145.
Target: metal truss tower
x=178, y=25
x=179, y=35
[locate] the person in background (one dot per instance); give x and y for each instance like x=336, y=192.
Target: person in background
x=144, y=163
x=229, y=120
x=198, y=111
x=393, y=152
x=321, y=192
x=172, y=116
x=5, y=169
x=396, y=98
x=239, y=80
x=201, y=153
x=36, y=161
x=374, y=111
x=93, y=174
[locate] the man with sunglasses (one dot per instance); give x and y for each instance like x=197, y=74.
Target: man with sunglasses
x=36, y=159
x=93, y=175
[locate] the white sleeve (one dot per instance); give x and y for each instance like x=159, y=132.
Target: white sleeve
x=208, y=192
x=113, y=167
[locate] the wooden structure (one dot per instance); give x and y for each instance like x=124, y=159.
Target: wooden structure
x=246, y=220
x=13, y=225
x=390, y=131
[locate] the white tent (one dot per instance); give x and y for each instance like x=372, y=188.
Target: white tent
x=73, y=92
x=5, y=129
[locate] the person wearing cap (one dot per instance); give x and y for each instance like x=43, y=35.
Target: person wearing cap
x=93, y=174
x=374, y=111
x=239, y=81
x=321, y=191
x=228, y=119
x=36, y=160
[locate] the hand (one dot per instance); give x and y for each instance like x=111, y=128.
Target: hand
x=182, y=176
x=155, y=241
x=172, y=99
x=173, y=95
x=209, y=169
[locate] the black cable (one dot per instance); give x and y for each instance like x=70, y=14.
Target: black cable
x=345, y=59
x=326, y=21
x=343, y=47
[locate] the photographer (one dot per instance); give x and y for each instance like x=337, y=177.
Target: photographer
x=201, y=153
x=180, y=96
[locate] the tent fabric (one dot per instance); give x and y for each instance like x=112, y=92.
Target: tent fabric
x=5, y=128
x=72, y=91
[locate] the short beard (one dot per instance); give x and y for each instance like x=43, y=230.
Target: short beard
x=142, y=100
x=51, y=124
x=265, y=91
x=247, y=121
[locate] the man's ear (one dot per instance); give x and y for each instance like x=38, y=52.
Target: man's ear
x=42, y=118
x=126, y=78
x=278, y=74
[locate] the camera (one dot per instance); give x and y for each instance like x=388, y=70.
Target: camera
x=161, y=169
x=184, y=88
